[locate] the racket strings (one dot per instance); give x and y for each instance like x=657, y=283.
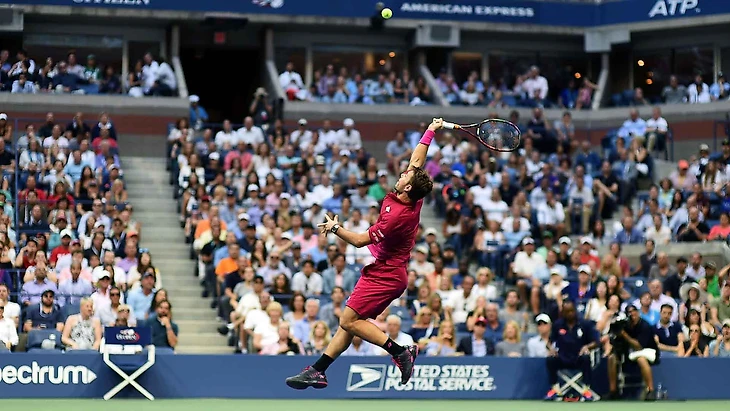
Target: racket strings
x=501, y=136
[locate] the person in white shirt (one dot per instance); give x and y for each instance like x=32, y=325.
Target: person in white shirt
x=462, y=302
x=535, y=82
x=508, y=222
x=12, y=310
x=635, y=126
x=166, y=82
x=419, y=264
x=57, y=138
x=307, y=281
x=482, y=192
x=580, y=201
x=699, y=91
x=359, y=348
x=8, y=329
x=551, y=216
x=301, y=136
x=539, y=346
x=226, y=136
x=250, y=134
x=484, y=288
x=327, y=135
x=656, y=130
x=323, y=190
x=392, y=328
x=495, y=208
x=527, y=262
x=348, y=138
x=149, y=72
x=291, y=81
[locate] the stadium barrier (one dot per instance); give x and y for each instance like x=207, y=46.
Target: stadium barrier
x=38, y=375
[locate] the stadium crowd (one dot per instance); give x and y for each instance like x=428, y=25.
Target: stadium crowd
x=150, y=76
x=519, y=236
x=71, y=260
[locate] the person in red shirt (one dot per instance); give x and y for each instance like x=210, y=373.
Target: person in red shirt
x=390, y=242
x=103, y=139
x=63, y=249
x=26, y=256
x=30, y=185
x=586, y=252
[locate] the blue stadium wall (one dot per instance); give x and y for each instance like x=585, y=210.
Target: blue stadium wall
x=227, y=376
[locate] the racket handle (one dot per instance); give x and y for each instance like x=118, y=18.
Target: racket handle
x=450, y=126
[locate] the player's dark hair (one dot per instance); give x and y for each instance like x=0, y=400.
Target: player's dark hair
x=421, y=184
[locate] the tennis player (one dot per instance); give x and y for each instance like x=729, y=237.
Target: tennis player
x=390, y=241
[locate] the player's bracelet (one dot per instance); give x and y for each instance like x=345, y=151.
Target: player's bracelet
x=335, y=228
x=427, y=137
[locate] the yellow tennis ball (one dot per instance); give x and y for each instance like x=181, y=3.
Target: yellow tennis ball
x=386, y=13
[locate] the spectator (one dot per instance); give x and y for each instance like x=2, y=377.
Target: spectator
x=291, y=82
x=140, y=298
x=574, y=339
x=658, y=299
x=536, y=85
x=511, y=344
x=12, y=310
x=33, y=291
x=359, y=348
x=721, y=346
x=694, y=229
x=330, y=312
x=540, y=345
x=8, y=330
x=675, y=93
x=45, y=315
x=698, y=91
x=348, y=138
x=164, y=330
x=82, y=331
x=477, y=344
x=307, y=281
x=669, y=335
x=393, y=329
x=720, y=307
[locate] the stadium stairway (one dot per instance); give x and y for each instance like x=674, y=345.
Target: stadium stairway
x=151, y=196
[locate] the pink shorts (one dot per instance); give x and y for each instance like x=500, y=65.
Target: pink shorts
x=378, y=286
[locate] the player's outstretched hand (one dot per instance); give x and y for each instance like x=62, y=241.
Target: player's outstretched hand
x=436, y=124
x=326, y=227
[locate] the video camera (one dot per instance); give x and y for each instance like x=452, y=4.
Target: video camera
x=619, y=322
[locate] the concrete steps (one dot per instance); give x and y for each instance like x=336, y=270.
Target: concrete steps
x=155, y=208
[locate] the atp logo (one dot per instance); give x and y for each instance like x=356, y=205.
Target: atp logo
x=366, y=378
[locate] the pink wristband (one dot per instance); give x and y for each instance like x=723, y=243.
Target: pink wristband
x=427, y=137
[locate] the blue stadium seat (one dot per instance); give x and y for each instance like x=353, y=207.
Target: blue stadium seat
x=164, y=351
x=36, y=338
x=401, y=312
x=42, y=351
x=71, y=309
x=82, y=352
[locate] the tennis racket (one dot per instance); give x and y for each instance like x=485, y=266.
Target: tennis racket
x=495, y=134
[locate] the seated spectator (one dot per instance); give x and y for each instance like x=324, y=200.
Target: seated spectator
x=695, y=346
x=394, y=332
x=82, y=331
x=359, y=348
x=45, y=315
x=629, y=234
x=633, y=127
x=574, y=339
x=477, y=344
x=646, y=312
x=32, y=291
x=12, y=310
x=699, y=91
x=426, y=324
x=656, y=131
x=164, y=330
x=444, y=344
x=301, y=328
x=668, y=334
x=511, y=344
x=319, y=338
x=140, y=298
x=722, y=230
x=285, y=345
x=721, y=346
x=694, y=229
x=674, y=93
x=8, y=330
x=72, y=290
x=720, y=307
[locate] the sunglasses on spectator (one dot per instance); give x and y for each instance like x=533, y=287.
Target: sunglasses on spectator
x=115, y=294
x=124, y=310
x=694, y=330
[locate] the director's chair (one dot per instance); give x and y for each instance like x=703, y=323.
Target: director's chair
x=571, y=381
x=128, y=342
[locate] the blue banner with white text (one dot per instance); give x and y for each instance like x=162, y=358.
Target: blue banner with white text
x=572, y=14
x=40, y=375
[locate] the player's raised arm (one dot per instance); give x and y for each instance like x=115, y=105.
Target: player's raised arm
x=418, y=158
x=332, y=225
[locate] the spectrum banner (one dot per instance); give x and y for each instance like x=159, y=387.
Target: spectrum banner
x=41, y=375
x=527, y=12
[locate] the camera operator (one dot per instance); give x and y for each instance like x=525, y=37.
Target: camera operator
x=574, y=339
x=632, y=338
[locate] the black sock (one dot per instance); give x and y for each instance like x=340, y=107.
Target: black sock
x=393, y=348
x=323, y=363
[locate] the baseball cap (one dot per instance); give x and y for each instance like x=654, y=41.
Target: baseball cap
x=258, y=279
x=348, y=122
x=683, y=164
x=444, y=161
x=99, y=223
x=449, y=246
x=75, y=242
x=547, y=234
x=345, y=153
x=726, y=323
x=148, y=274
x=544, y=318
x=285, y=196
x=205, y=199
x=214, y=156
x=382, y=173
x=99, y=273
x=586, y=240
x=711, y=264
x=3, y=116
x=430, y=231
x=302, y=122
x=726, y=142
x=320, y=160
x=528, y=240
x=48, y=291
x=61, y=216
x=585, y=268
x=456, y=173
x=243, y=216
x=481, y=321
x=704, y=147
x=296, y=244
x=132, y=233
x=253, y=187
x=67, y=233
x=230, y=193
x=194, y=98
x=286, y=236
x=421, y=249
x=565, y=240
x=554, y=271
x=682, y=260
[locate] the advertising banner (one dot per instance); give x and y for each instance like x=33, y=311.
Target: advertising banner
x=241, y=376
x=552, y=13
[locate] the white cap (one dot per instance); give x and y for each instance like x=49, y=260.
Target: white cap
x=544, y=318
x=382, y=173
x=422, y=249
x=586, y=240
x=345, y=153
x=253, y=187
x=704, y=147
x=302, y=122
x=528, y=240
x=194, y=98
x=100, y=273
x=565, y=240
x=66, y=232
x=430, y=231
x=457, y=173
x=214, y=156
x=99, y=223
x=284, y=196
x=585, y=268
x=3, y=116
x=286, y=236
x=444, y=161
x=243, y=216
x=348, y=122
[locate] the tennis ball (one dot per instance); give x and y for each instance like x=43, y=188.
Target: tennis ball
x=386, y=13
